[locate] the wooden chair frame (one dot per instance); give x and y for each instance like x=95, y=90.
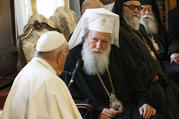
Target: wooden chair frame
x=36, y=26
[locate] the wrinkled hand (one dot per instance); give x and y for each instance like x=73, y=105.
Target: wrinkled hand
x=146, y=111
x=107, y=113
x=174, y=57
x=156, y=78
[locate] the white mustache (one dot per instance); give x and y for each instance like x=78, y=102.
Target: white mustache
x=96, y=50
x=147, y=16
x=136, y=15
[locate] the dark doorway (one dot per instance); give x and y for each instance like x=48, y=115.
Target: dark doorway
x=8, y=56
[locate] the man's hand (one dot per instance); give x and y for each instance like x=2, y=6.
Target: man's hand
x=107, y=113
x=174, y=57
x=156, y=78
x=146, y=111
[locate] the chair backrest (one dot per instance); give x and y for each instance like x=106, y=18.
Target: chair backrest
x=26, y=43
x=65, y=20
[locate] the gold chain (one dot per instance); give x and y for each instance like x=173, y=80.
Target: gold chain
x=110, y=80
x=146, y=45
x=113, y=101
x=102, y=83
x=156, y=46
x=143, y=41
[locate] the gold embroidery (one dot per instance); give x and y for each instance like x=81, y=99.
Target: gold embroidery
x=156, y=46
x=143, y=41
x=148, y=47
x=114, y=102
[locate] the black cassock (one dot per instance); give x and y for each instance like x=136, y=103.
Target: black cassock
x=173, y=28
x=147, y=67
x=173, y=22
x=168, y=44
x=88, y=89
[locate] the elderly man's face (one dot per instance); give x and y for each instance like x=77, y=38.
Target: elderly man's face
x=148, y=19
x=146, y=10
x=95, y=52
x=98, y=41
x=131, y=14
x=132, y=9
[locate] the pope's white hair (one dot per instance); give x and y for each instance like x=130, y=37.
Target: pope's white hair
x=52, y=54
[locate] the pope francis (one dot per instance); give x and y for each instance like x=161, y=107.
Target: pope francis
x=38, y=92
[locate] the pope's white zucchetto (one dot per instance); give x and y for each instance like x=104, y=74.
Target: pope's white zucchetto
x=98, y=19
x=49, y=41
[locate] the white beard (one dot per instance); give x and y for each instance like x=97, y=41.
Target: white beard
x=94, y=63
x=133, y=22
x=150, y=24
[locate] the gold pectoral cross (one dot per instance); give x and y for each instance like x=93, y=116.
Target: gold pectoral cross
x=156, y=46
x=115, y=103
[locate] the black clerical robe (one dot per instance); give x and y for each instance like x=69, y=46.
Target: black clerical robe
x=147, y=67
x=167, y=45
x=88, y=89
x=173, y=22
x=173, y=28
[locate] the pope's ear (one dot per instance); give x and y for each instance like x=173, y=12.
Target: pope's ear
x=59, y=56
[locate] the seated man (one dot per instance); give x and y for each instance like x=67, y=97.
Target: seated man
x=173, y=21
x=37, y=92
x=102, y=80
x=166, y=48
x=144, y=60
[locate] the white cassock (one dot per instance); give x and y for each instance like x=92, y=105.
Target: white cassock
x=38, y=93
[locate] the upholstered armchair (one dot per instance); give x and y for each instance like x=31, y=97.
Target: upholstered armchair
x=26, y=43
x=65, y=20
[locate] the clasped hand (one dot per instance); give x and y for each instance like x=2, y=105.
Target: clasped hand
x=174, y=57
x=146, y=111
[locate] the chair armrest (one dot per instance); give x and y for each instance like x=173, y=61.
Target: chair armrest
x=86, y=106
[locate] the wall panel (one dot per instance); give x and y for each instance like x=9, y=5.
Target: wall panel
x=8, y=57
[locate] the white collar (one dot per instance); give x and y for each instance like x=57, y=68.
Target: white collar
x=45, y=64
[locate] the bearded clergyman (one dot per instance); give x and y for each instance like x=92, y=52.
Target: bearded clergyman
x=145, y=63
x=166, y=47
x=104, y=79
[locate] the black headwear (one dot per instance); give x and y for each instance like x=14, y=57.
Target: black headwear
x=155, y=9
x=146, y=2
x=117, y=8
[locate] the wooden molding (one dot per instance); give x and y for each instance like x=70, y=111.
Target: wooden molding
x=172, y=4
x=66, y=4
x=34, y=6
